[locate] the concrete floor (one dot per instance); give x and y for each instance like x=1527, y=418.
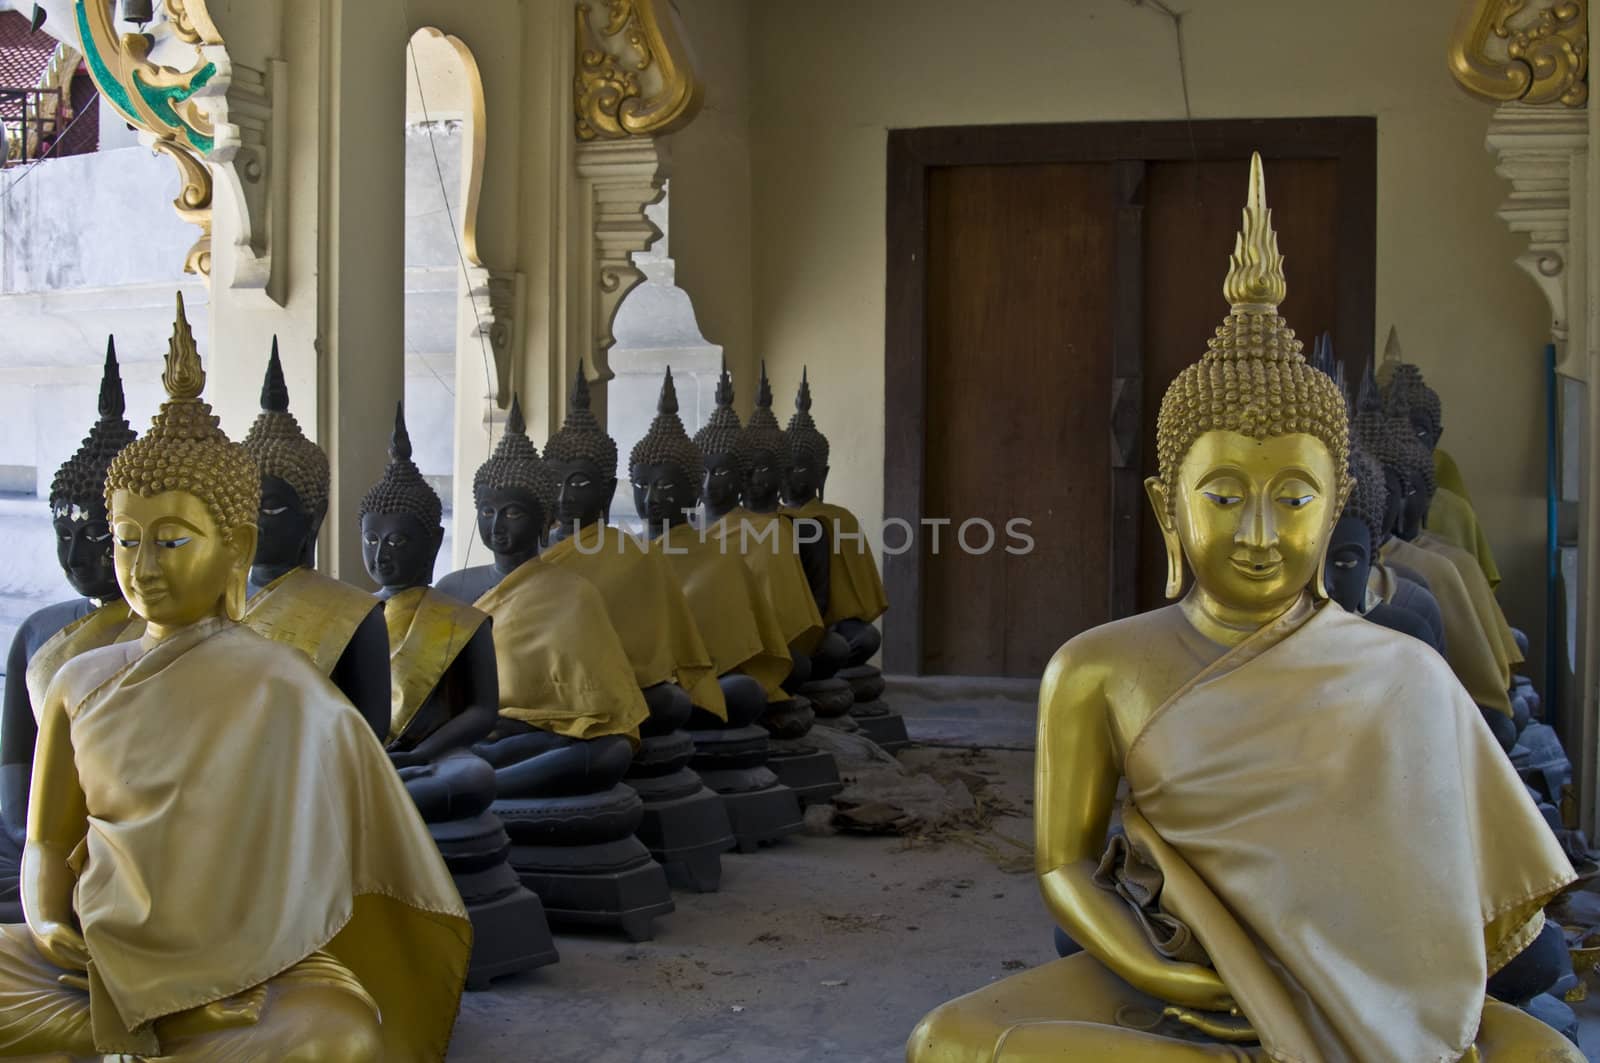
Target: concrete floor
x=821, y=948
x=818, y=948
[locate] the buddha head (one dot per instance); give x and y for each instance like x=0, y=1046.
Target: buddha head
x=723, y=484
x=807, y=451
x=294, y=479
x=1252, y=446
x=401, y=520
x=763, y=453
x=583, y=460
x=666, y=468
x=1425, y=413
x=183, y=500
x=1358, y=534
x=513, y=492
x=1415, y=462
x=78, y=494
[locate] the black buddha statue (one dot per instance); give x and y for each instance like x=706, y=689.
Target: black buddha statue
x=569, y=709
x=769, y=546
x=55, y=634
x=736, y=620
x=685, y=825
x=444, y=698
x=855, y=590
x=1348, y=569
x=338, y=626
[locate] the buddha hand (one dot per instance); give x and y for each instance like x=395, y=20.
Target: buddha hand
x=406, y=759
x=60, y=944
x=1230, y=1026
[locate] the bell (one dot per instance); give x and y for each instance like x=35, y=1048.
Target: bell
x=138, y=12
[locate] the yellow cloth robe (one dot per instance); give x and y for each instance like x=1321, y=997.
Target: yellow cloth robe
x=647, y=609
x=1276, y=879
x=313, y=613
x=112, y=622
x=1484, y=603
x=855, y=590
x=427, y=632
x=735, y=618
x=241, y=818
x=1452, y=518
x=562, y=667
x=768, y=545
x=1473, y=653
x=1447, y=474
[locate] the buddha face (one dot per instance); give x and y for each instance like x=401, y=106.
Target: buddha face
x=510, y=523
x=804, y=481
x=84, y=548
x=1423, y=428
x=1395, y=501
x=1349, y=563
x=399, y=550
x=663, y=494
x=1252, y=516
x=721, y=487
x=765, y=481
x=175, y=563
x=583, y=492
x=288, y=531
x=1413, y=508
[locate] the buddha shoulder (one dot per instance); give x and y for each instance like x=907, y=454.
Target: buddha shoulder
x=83, y=674
x=1109, y=655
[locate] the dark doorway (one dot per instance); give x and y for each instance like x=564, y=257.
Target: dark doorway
x=1045, y=283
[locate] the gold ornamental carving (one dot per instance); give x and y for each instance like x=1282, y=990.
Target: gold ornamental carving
x=635, y=73
x=1532, y=51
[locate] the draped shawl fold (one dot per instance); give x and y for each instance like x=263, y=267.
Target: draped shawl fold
x=112, y=622
x=561, y=665
x=1474, y=654
x=427, y=632
x=647, y=609
x=769, y=547
x=740, y=628
x=855, y=590
x=1452, y=517
x=315, y=614
x=1480, y=592
x=1332, y=818
x=241, y=818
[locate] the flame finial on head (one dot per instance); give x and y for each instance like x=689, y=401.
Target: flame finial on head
x=514, y=422
x=668, y=402
x=1255, y=269
x=724, y=385
x=274, y=390
x=184, y=377
x=112, y=402
x=721, y=432
x=764, y=389
x=400, y=440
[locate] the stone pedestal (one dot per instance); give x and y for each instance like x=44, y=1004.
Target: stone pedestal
x=579, y=854
x=685, y=824
x=509, y=929
x=733, y=762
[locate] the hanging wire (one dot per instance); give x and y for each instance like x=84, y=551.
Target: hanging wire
x=50, y=152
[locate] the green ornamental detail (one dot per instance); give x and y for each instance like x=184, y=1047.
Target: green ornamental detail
x=161, y=103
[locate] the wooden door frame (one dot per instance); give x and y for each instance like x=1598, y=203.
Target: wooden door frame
x=1352, y=142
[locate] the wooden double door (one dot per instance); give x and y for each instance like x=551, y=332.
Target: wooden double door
x=1046, y=283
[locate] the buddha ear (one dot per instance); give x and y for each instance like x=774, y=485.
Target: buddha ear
x=1157, y=491
x=242, y=543
x=611, y=494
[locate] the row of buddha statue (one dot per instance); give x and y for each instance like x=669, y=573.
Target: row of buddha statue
x=1327, y=847
x=370, y=780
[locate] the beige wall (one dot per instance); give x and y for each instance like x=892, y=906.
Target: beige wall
x=830, y=77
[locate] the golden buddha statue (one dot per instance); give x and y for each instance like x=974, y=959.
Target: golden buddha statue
x=50, y=637
x=220, y=864
x=1450, y=514
x=742, y=632
x=338, y=626
x=1212, y=928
